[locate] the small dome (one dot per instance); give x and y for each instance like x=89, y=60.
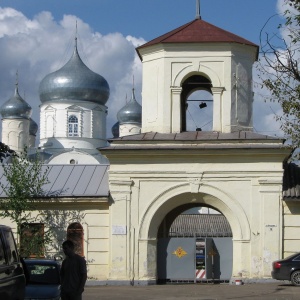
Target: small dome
x=74, y=81
x=115, y=130
x=131, y=112
x=16, y=107
x=33, y=127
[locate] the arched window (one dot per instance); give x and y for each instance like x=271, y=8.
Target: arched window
x=75, y=234
x=196, y=94
x=73, y=126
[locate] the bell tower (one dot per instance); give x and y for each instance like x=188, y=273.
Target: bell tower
x=197, y=56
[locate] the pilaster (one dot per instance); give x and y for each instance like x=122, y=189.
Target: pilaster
x=176, y=109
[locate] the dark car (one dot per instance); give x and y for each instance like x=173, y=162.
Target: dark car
x=287, y=269
x=12, y=279
x=43, y=279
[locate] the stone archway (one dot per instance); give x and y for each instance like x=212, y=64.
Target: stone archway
x=180, y=195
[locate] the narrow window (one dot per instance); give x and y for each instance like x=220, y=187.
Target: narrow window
x=11, y=248
x=32, y=240
x=73, y=126
x=75, y=234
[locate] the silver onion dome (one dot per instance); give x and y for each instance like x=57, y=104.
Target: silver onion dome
x=131, y=112
x=74, y=81
x=16, y=107
x=33, y=127
x=115, y=130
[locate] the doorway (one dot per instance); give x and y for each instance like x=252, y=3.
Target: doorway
x=194, y=246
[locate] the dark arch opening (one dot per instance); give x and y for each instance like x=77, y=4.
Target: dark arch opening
x=190, y=85
x=194, y=244
x=187, y=221
x=75, y=234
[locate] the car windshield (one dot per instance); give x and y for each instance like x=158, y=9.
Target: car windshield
x=40, y=273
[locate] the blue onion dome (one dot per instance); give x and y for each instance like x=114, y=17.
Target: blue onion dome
x=33, y=127
x=115, y=130
x=131, y=112
x=74, y=81
x=16, y=107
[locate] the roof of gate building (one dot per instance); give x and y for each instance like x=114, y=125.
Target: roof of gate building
x=199, y=31
x=195, y=139
x=195, y=135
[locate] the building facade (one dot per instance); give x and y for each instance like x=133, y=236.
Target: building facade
x=118, y=199
x=166, y=169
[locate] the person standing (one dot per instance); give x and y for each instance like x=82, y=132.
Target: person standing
x=73, y=273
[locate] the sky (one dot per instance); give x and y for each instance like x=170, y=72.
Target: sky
x=37, y=38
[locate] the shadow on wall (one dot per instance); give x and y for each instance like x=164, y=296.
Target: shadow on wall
x=59, y=221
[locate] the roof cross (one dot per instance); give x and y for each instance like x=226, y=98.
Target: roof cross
x=198, y=16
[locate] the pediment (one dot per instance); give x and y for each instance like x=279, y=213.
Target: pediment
x=74, y=108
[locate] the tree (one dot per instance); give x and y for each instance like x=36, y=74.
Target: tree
x=5, y=152
x=23, y=189
x=279, y=70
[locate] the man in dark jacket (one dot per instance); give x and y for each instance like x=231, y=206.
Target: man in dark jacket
x=73, y=273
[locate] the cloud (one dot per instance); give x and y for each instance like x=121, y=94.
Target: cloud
x=265, y=109
x=36, y=47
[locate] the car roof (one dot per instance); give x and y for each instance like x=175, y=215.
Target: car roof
x=42, y=261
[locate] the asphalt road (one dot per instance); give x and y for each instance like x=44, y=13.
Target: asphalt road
x=207, y=291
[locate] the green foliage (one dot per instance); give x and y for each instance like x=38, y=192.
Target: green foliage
x=280, y=73
x=24, y=189
x=5, y=152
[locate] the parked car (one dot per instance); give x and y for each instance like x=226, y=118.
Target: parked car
x=44, y=279
x=12, y=279
x=287, y=269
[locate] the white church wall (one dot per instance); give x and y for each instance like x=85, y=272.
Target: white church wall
x=78, y=157
x=246, y=190
x=54, y=125
x=95, y=221
x=129, y=129
x=291, y=223
x=98, y=122
x=85, y=122
x=166, y=67
x=15, y=133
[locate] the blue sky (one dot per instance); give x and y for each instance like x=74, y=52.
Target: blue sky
x=151, y=18
x=36, y=38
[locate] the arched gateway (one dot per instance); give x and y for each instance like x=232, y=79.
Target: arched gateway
x=185, y=265
x=231, y=169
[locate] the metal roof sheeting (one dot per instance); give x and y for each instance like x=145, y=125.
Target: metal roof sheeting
x=198, y=136
x=72, y=181
x=200, y=225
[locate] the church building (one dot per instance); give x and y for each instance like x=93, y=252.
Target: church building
x=129, y=202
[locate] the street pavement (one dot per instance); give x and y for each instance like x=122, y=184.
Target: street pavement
x=201, y=291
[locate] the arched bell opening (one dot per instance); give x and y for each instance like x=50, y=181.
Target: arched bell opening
x=196, y=104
